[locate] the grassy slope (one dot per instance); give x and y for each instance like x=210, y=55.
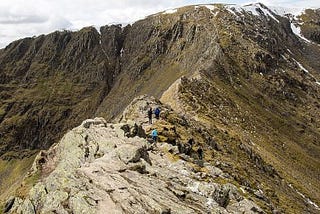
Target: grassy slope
x=275, y=138
x=154, y=82
x=11, y=178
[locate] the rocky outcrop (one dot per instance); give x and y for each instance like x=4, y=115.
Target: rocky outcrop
x=95, y=168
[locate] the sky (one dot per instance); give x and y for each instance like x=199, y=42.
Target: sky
x=20, y=18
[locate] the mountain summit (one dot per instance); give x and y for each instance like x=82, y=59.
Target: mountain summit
x=241, y=82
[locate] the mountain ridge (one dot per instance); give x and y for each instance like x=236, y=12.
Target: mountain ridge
x=248, y=76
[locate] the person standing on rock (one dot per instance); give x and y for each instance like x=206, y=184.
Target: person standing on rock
x=154, y=135
x=157, y=113
x=150, y=115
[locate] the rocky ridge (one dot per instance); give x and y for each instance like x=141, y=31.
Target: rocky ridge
x=102, y=167
x=95, y=168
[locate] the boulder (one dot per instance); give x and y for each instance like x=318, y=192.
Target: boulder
x=98, y=121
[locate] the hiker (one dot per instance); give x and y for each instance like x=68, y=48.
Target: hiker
x=154, y=135
x=200, y=153
x=157, y=113
x=150, y=115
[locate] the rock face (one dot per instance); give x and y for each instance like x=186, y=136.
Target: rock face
x=124, y=175
x=46, y=83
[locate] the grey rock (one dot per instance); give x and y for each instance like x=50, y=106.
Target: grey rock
x=98, y=121
x=221, y=195
x=131, y=129
x=124, y=178
x=214, y=171
x=132, y=153
x=26, y=208
x=244, y=206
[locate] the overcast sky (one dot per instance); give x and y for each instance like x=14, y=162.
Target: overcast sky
x=20, y=18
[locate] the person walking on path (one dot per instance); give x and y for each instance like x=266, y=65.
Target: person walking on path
x=157, y=113
x=154, y=135
x=150, y=115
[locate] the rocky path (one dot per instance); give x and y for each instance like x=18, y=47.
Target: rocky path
x=97, y=168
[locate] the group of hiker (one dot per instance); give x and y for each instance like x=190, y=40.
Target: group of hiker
x=154, y=133
x=156, y=113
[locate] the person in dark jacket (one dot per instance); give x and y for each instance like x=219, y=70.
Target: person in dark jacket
x=150, y=115
x=157, y=113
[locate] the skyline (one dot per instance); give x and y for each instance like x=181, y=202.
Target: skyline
x=19, y=20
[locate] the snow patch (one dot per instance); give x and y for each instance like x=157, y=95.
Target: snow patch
x=281, y=11
x=305, y=198
x=300, y=66
x=170, y=11
x=210, y=7
x=121, y=52
x=296, y=30
x=255, y=9
x=234, y=9
x=285, y=58
x=267, y=13
x=231, y=11
x=252, y=8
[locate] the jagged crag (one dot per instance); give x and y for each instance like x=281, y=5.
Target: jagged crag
x=245, y=87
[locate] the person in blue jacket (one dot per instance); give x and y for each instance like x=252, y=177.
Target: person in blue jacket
x=154, y=135
x=157, y=113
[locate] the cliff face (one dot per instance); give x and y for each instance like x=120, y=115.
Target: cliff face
x=250, y=82
x=50, y=82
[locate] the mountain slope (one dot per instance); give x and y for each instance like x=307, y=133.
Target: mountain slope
x=50, y=82
x=251, y=80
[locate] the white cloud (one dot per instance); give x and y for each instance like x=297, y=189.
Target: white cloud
x=20, y=18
